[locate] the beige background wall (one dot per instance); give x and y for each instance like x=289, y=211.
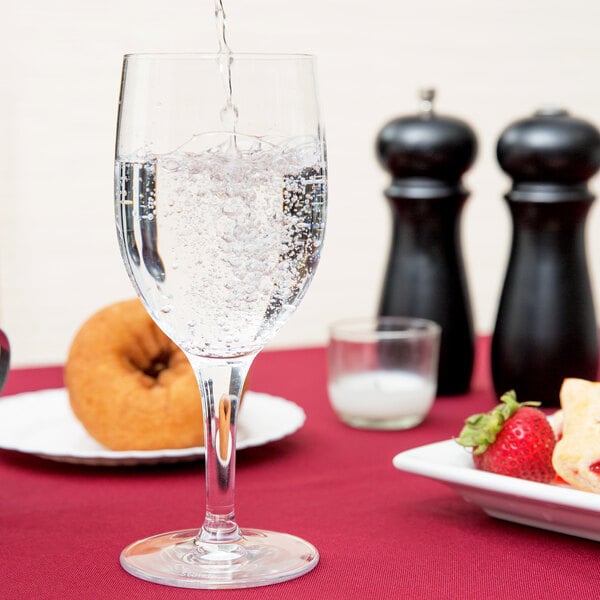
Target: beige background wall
x=491, y=61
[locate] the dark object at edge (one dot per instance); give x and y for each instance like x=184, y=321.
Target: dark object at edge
x=546, y=325
x=427, y=156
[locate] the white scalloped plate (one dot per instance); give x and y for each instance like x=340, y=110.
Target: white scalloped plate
x=42, y=423
x=555, y=507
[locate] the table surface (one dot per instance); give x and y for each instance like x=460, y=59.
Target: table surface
x=381, y=533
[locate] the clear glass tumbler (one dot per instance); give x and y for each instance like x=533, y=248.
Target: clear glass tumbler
x=383, y=371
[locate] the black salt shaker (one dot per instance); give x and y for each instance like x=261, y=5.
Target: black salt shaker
x=546, y=324
x=427, y=155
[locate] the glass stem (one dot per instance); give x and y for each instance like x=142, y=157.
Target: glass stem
x=221, y=384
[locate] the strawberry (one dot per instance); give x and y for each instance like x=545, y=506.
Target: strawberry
x=512, y=439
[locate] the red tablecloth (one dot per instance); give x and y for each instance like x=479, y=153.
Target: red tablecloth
x=381, y=533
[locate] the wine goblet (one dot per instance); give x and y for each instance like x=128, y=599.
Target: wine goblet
x=220, y=203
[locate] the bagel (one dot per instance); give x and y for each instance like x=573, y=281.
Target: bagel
x=129, y=385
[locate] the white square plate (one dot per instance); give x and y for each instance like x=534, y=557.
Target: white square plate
x=555, y=507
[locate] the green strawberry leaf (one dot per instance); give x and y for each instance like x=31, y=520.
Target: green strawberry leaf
x=480, y=430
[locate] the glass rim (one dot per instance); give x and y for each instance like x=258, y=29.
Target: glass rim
x=188, y=55
x=365, y=329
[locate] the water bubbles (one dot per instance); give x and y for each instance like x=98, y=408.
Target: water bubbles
x=229, y=210
x=265, y=285
x=234, y=260
x=228, y=237
x=238, y=232
x=194, y=167
x=170, y=164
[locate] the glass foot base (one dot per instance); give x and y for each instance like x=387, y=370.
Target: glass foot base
x=259, y=558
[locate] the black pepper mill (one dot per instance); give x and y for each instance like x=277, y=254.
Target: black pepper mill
x=427, y=156
x=546, y=325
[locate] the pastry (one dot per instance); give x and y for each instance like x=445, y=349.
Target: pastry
x=576, y=457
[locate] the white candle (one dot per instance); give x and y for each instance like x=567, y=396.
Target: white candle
x=382, y=395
